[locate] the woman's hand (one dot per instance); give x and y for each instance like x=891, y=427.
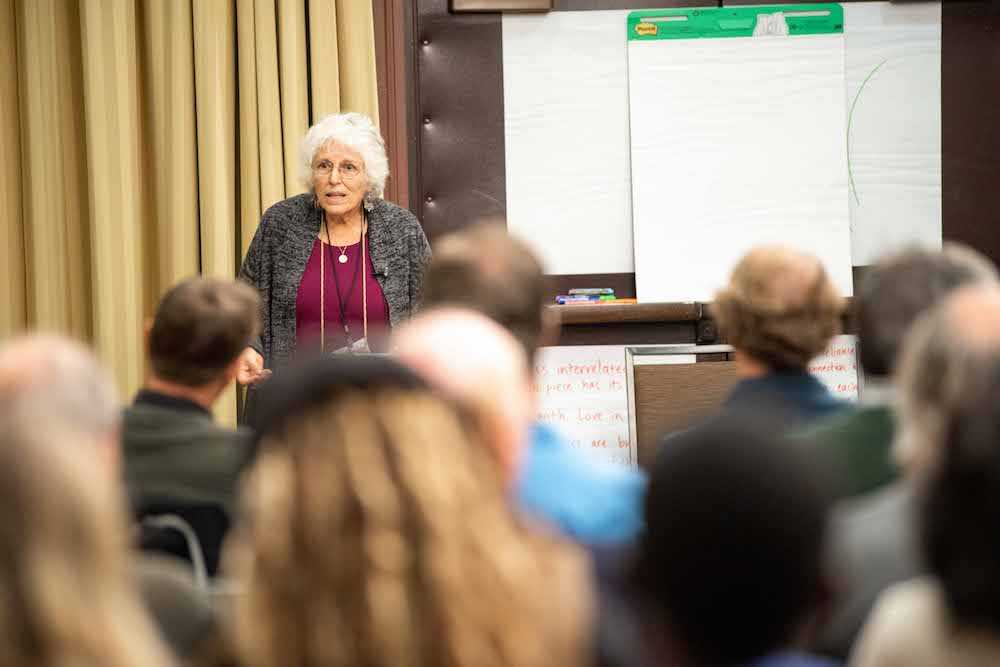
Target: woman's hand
x=250, y=369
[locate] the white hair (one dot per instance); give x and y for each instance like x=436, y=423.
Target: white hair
x=357, y=132
x=57, y=387
x=948, y=358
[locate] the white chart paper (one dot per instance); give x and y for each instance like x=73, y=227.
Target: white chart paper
x=583, y=393
x=837, y=367
x=566, y=133
x=735, y=143
x=894, y=103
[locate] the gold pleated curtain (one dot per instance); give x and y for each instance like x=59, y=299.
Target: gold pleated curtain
x=142, y=140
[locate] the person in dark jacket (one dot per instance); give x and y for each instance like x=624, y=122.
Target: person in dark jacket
x=729, y=571
x=779, y=311
x=177, y=460
x=338, y=266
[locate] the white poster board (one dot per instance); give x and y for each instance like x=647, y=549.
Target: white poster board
x=582, y=393
x=736, y=142
x=566, y=137
x=837, y=368
x=567, y=132
x=894, y=125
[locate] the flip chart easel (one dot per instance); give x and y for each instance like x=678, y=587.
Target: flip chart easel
x=736, y=140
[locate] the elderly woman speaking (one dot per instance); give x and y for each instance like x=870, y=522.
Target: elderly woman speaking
x=338, y=266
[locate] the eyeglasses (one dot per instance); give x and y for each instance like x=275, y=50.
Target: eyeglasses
x=349, y=171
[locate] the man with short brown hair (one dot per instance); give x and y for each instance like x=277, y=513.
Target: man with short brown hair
x=485, y=269
x=177, y=459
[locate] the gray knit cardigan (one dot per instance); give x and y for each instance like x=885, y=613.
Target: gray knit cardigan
x=280, y=250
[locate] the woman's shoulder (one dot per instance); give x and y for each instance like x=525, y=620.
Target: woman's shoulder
x=294, y=208
x=395, y=216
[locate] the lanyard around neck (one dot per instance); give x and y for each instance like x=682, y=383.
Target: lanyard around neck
x=343, y=301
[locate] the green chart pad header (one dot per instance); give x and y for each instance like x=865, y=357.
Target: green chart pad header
x=651, y=25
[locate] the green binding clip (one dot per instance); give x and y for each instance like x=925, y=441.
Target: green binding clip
x=651, y=25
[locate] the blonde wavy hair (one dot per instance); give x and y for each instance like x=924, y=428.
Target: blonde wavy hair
x=779, y=307
x=69, y=597
x=379, y=533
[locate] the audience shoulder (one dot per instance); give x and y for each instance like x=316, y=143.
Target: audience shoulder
x=906, y=623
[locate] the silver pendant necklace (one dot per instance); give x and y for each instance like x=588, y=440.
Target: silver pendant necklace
x=342, y=258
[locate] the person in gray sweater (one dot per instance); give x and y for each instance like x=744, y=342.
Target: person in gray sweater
x=177, y=460
x=338, y=266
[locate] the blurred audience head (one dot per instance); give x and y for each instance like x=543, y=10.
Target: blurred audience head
x=477, y=363
x=378, y=532
x=960, y=486
x=201, y=327
x=947, y=359
x=780, y=308
x=484, y=268
x=900, y=287
x=69, y=595
x=55, y=388
x=730, y=565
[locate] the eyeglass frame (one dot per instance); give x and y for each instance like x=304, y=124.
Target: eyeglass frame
x=319, y=170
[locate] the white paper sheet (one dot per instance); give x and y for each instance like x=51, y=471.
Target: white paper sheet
x=583, y=393
x=566, y=133
x=893, y=71
x=735, y=143
x=837, y=367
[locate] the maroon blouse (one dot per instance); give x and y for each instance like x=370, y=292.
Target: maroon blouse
x=347, y=277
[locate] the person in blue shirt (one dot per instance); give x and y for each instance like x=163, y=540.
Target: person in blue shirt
x=591, y=502
x=483, y=268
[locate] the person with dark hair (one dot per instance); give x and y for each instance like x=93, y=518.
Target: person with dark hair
x=874, y=542
x=177, y=459
x=950, y=371
x=779, y=310
x=856, y=444
x=507, y=283
x=483, y=268
x=729, y=570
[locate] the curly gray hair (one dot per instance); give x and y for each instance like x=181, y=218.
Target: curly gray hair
x=357, y=132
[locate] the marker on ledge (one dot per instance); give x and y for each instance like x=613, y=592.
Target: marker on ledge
x=564, y=299
x=591, y=290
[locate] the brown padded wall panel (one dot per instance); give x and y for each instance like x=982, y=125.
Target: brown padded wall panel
x=970, y=124
x=458, y=120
